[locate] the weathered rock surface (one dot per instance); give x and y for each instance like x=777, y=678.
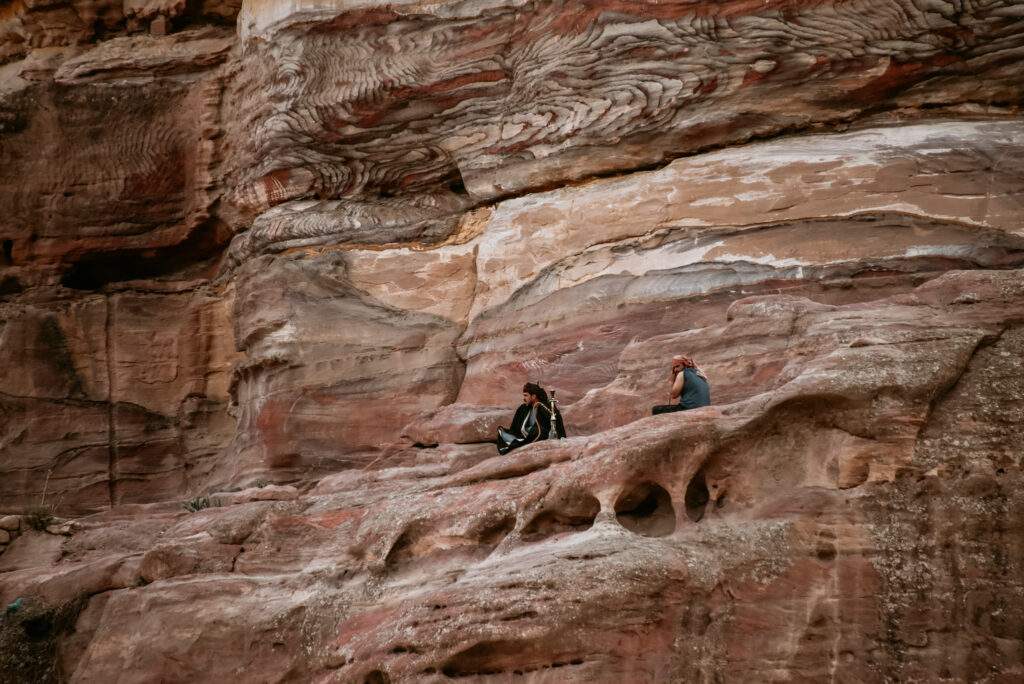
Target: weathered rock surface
x=510, y=95
x=267, y=292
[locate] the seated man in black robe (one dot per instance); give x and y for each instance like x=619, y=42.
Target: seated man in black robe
x=531, y=423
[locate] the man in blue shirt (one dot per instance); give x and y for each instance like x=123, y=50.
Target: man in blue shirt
x=690, y=388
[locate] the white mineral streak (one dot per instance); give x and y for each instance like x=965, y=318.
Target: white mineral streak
x=794, y=179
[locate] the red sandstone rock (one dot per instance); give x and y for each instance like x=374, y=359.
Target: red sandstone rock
x=267, y=293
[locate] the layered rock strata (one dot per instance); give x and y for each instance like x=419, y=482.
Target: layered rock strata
x=267, y=291
x=884, y=471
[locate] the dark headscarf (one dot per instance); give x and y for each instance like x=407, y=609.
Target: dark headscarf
x=537, y=391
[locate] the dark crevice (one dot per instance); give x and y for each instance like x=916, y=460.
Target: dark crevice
x=404, y=649
x=493, y=531
x=200, y=252
x=99, y=29
x=697, y=497
x=8, y=253
x=457, y=185
x=401, y=551
x=111, y=429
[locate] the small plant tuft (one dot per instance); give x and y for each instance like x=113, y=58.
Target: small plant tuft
x=261, y=484
x=39, y=518
x=199, y=503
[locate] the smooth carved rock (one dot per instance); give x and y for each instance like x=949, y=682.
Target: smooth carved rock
x=112, y=398
x=458, y=424
x=330, y=373
x=190, y=556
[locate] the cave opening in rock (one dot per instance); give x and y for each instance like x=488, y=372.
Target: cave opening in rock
x=574, y=512
x=8, y=249
x=697, y=497
x=646, y=509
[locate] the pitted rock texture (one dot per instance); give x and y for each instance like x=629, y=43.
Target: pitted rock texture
x=273, y=273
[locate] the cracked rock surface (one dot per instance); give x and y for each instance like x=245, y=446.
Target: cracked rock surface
x=273, y=273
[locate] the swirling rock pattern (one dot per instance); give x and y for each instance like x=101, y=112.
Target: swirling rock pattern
x=510, y=96
x=267, y=293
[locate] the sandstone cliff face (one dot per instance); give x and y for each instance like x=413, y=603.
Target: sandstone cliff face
x=289, y=262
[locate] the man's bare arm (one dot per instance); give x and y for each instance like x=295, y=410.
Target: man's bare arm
x=677, y=386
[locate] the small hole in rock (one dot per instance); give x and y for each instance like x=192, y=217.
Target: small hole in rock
x=646, y=509
x=457, y=186
x=826, y=552
x=575, y=511
x=697, y=497
x=377, y=677
x=8, y=252
x=404, y=649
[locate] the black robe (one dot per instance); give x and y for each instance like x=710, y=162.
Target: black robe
x=529, y=424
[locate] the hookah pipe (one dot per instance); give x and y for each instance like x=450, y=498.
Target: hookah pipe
x=553, y=432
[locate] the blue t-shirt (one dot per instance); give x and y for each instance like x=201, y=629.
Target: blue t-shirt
x=696, y=391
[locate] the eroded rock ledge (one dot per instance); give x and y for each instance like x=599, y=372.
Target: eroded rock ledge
x=889, y=456
x=267, y=290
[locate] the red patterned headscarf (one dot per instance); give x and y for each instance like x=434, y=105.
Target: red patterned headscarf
x=687, y=362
